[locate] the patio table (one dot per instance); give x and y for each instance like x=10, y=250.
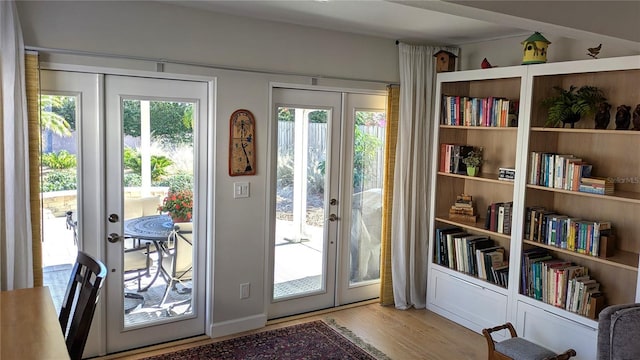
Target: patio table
x=154, y=228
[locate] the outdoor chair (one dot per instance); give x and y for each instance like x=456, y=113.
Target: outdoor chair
x=144, y=206
x=177, y=264
x=72, y=224
x=80, y=300
x=516, y=348
x=618, y=332
x=137, y=262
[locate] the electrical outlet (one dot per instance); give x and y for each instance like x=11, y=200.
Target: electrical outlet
x=245, y=290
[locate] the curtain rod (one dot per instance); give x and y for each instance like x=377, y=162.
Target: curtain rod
x=196, y=64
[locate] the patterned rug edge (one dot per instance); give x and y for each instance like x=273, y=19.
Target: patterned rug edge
x=351, y=336
x=329, y=323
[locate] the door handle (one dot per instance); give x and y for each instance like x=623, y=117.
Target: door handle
x=333, y=217
x=114, y=238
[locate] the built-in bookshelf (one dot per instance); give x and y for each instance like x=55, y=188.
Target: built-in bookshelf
x=610, y=198
x=606, y=151
x=478, y=110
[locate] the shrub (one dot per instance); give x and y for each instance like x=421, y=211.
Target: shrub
x=159, y=163
x=59, y=160
x=132, y=180
x=59, y=181
x=177, y=182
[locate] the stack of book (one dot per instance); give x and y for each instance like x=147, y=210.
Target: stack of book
x=463, y=209
x=560, y=283
x=596, y=185
x=476, y=255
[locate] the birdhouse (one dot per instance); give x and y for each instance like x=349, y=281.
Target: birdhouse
x=535, y=49
x=445, y=61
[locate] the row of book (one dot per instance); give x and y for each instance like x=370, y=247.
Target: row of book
x=567, y=172
x=560, y=283
x=499, y=217
x=451, y=156
x=565, y=232
x=476, y=255
x=473, y=111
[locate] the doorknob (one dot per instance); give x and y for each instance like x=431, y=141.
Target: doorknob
x=114, y=238
x=333, y=217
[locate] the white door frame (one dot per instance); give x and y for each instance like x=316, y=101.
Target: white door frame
x=342, y=294
x=96, y=344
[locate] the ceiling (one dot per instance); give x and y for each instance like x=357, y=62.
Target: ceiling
x=447, y=22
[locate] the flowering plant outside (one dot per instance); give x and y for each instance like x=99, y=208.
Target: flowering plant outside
x=179, y=204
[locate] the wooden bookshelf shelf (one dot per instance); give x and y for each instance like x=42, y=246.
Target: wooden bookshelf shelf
x=484, y=177
x=586, y=131
x=623, y=196
x=477, y=281
x=622, y=259
x=477, y=227
x=482, y=128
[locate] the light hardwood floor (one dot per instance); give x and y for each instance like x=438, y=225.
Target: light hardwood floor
x=401, y=334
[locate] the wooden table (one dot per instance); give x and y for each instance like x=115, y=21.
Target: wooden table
x=29, y=327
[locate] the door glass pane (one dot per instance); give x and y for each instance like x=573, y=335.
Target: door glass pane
x=300, y=247
x=59, y=168
x=158, y=190
x=366, y=220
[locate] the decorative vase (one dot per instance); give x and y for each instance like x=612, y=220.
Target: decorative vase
x=472, y=170
x=179, y=219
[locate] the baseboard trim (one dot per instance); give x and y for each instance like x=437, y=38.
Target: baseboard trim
x=238, y=325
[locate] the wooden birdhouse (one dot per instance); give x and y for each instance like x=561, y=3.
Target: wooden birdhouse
x=535, y=49
x=445, y=61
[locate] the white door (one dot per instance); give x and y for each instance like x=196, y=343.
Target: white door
x=71, y=166
x=322, y=178
x=130, y=141
x=156, y=172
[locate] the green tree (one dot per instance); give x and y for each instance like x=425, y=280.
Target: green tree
x=170, y=121
x=318, y=116
x=50, y=118
x=285, y=114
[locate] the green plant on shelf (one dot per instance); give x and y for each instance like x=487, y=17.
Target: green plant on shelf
x=569, y=106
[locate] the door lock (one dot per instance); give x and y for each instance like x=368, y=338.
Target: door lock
x=333, y=202
x=113, y=218
x=114, y=238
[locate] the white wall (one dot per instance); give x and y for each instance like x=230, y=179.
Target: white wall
x=508, y=52
x=157, y=30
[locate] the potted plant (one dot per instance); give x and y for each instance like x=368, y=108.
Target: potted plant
x=569, y=106
x=473, y=160
x=179, y=205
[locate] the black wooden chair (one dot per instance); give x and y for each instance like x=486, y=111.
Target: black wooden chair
x=80, y=301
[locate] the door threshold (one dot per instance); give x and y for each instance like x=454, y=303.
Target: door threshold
x=322, y=311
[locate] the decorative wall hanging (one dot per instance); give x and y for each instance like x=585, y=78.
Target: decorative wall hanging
x=242, y=156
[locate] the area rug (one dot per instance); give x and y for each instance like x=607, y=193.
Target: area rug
x=312, y=340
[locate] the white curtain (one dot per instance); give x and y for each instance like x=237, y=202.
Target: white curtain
x=409, y=224
x=15, y=230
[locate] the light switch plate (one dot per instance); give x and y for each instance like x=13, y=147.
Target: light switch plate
x=240, y=190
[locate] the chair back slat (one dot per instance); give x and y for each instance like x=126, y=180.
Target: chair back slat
x=79, y=304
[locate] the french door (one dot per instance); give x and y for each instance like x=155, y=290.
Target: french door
x=327, y=199
x=139, y=140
